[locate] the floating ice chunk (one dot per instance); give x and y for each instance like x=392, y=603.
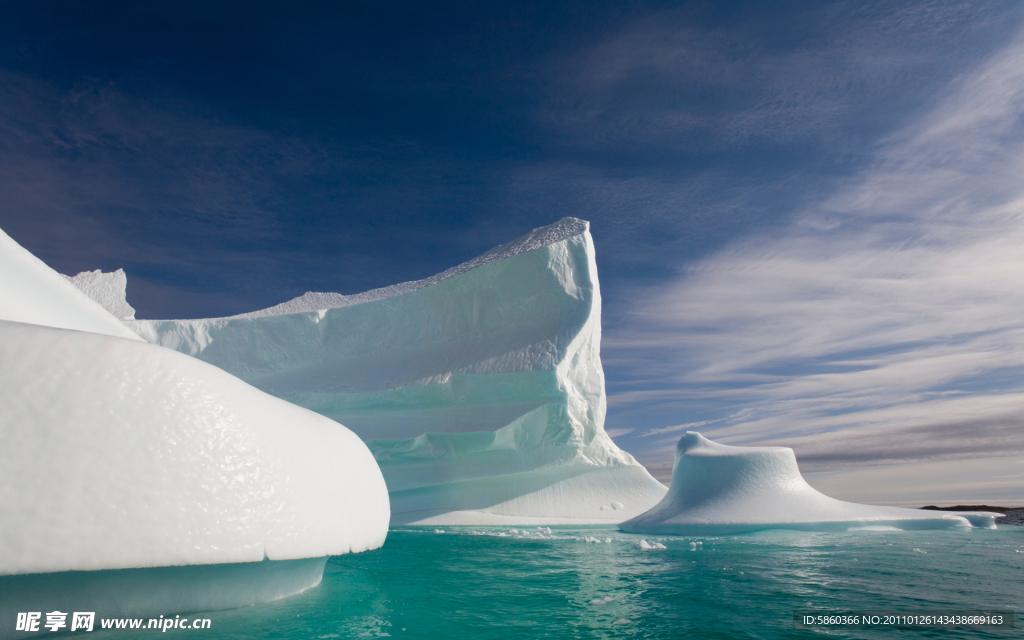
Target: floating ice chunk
x=439, y=531
x=544, y=530
x=129, y=455
x=919, y=551
x=607, y=540
x=601, y=601
x=643, y=545
x=718, y=489
x=589, y=539
x=480, y=390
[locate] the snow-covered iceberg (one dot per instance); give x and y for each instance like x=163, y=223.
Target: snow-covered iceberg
x=479, y=390
x=128, y=464
x=719, y=489
x=121, y=454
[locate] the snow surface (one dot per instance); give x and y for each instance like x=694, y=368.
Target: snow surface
x=120, y=454
x=718, y=489
x=480, y=390
x=108, y=289
x=32, y=292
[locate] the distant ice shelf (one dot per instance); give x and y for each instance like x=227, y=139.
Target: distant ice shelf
x=479, y=390
x=719, y=489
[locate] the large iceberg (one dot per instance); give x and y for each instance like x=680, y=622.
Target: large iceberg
x=127, y=464
x=719, y=489
x=479, y=390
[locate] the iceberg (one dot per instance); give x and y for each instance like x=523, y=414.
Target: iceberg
x=153, y=593
x=720, y=489
x=479, y=390
x=127, y=464
x=120, y=454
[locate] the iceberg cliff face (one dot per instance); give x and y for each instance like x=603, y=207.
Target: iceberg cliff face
x=718, y=489
x=480, y=390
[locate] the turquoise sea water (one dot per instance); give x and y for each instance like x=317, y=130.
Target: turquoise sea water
x=473, y=582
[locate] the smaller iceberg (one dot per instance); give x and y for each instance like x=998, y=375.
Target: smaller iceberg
x=718, y=489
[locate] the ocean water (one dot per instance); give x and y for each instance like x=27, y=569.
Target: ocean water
x=473, y=582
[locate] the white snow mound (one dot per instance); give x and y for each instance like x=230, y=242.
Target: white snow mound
x=718, y=489
x=32, y=292
x=480, y=390
x=120, y=454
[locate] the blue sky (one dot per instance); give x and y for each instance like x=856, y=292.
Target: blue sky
x=807, y=215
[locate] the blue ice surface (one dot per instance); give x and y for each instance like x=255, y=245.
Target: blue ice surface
x=481, y=583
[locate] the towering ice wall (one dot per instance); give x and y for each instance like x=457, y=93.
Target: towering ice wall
x=718, y=489
x=480, y=390
x=131, y=465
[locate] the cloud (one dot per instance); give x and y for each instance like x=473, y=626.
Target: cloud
x=680, y=79
x=676, y=428
x=997, y=482
x=887, y=322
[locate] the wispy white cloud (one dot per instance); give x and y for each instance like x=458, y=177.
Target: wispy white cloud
x=887, y=322
x=668, y=80
x=676, y=428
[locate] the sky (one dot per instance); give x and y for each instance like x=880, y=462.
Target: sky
x=808, y=217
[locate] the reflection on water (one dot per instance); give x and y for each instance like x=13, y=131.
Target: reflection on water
x=570, y=583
